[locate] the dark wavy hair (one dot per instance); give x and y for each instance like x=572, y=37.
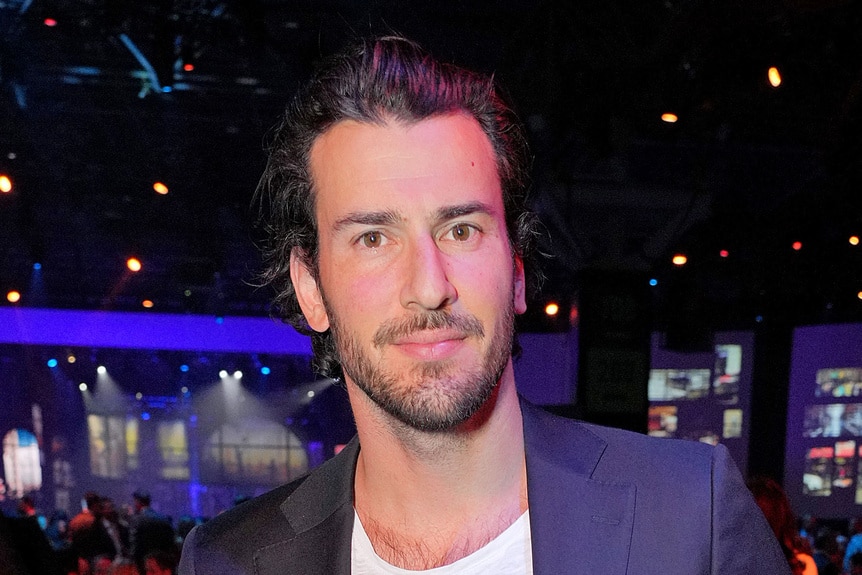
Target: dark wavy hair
x=377, y=80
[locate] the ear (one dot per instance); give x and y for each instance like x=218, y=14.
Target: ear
x=307, y=293
x=520, y=287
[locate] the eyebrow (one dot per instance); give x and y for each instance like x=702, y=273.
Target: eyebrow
x=380, y=218
x=452, y=212
x=389, y=217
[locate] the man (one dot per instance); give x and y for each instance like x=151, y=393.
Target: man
x=87, y=533
x=149, y=530
x=396, y=200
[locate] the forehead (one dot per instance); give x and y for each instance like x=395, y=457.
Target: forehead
x=354, y=163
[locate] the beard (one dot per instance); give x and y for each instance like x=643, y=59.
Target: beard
x=432, y=396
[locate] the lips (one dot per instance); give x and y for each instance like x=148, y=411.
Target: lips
x=431, y=344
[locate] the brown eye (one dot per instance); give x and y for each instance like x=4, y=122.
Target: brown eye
x=462, y=232
x=371, y=240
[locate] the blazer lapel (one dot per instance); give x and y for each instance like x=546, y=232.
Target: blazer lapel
x=320, y=513
x=578, y=524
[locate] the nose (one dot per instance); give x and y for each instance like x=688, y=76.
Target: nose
x=427, y=283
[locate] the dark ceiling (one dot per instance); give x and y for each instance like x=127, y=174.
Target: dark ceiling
x=86, y=128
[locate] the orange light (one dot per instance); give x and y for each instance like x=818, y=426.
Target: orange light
x=669, y=117
x=854, y=240
x=797, y=245
x=774, y=77
x=13, y=296
x=5, y=184
x=188, y=66
x=724, y=253
x=160, y=188
x=552, y=309
x=147, y=303
x=50, y=22
x=859, y=294
x=679, y=260
x=134, y=264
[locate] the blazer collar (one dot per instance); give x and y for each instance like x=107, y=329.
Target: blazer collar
x=578, y=523
x=320, y=514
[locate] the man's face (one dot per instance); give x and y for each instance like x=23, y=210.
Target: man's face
x=416, y=275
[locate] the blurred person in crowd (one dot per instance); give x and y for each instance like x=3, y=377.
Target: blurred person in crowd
x=87, y=532
x=854, y=543
x=827, y=552
x=27, y=508
x=772, y=500
x=161, y=563
x=24, y=548
x=117, y=530
x=149, y=530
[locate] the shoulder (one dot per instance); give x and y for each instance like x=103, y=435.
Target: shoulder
x=256, y=518
x=228, y=542
x=611, y=451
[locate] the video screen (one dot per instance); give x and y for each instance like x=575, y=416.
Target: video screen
x=703, y=396
x=823, y=455
x=846, y=382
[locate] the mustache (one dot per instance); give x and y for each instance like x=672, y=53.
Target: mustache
x=393, y=329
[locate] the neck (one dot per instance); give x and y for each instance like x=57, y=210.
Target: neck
x=441, y=495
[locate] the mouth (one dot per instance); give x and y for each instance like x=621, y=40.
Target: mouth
x=431, y=345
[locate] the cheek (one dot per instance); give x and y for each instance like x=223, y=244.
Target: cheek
x=364, y=298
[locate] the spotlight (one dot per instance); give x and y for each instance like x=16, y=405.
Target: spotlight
x=797, y=245
x=139, y=396
x=13, y=296
x=653, y=282
x=160, y=188
x=147, y=303
x=679, y=260
x=49, y=22
x=37, y=266
x=101, y=370
x=184, y=368
x=145, y=416
x=71, y=358
x=669, y=118
x=222, y=374
x=265, y=370
x=724, y=253
x=774, y=77
x=5, y=184
x=854, y=240
x=237, y=374
x=310, y=393
x=552, y=309
x=134, y=264
x=82, y=386
x=52, y=363
x=184, y=389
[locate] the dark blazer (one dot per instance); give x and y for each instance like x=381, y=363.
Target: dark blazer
x=602, y=501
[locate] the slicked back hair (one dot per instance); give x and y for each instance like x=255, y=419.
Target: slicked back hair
x=378, y=80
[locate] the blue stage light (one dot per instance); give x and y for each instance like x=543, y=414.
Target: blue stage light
x=37, y=266
x=265, y=370
x=52, y=362
x=653, y=282
x=184, y=368
x=145, y=416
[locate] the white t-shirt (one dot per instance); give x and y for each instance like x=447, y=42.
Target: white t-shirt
x=508, y=554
